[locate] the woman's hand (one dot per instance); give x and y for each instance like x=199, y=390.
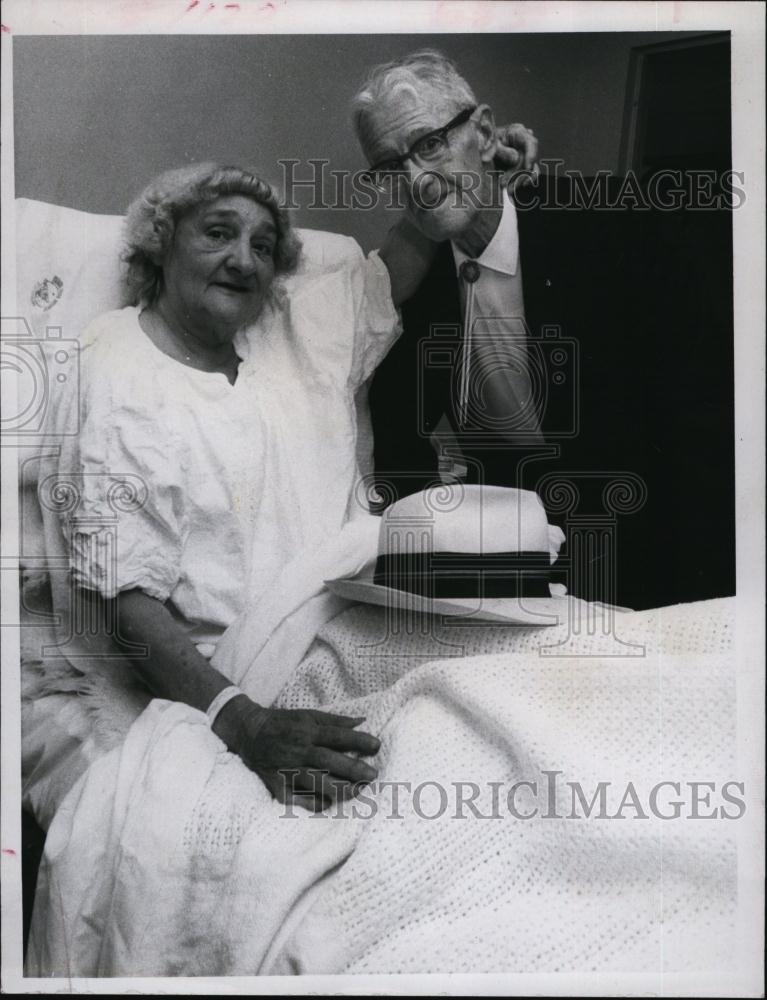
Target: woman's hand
x=517, y=155
x=298, y=753
x=312, y=747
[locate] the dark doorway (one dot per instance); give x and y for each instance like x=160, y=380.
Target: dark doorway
x=678, y=107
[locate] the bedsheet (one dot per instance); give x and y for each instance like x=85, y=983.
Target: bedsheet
x=168, y=857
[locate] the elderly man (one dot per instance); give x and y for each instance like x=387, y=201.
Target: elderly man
x=455, y=394
x=546, y=345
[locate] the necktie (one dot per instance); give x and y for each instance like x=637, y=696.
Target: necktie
x=494, y=352
x=469, y=272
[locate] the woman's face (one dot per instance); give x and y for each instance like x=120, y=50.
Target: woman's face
x=221, y=265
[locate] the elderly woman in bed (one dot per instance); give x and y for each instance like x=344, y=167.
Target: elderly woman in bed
x=232, y=408
x=239, y=439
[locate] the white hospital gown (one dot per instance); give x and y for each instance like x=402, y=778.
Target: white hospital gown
x=231, y=482
x=196, y=491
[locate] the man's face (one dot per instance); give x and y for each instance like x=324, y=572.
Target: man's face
x=442, y=198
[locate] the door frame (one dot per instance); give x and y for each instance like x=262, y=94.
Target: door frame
x=633, y=120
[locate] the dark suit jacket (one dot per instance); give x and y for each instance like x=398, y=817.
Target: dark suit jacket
x=422, y=379
x=642, y=303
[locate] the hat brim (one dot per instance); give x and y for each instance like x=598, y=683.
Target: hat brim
x=530, y=611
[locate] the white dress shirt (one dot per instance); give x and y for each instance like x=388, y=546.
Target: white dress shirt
x=498, y=292
x=497, y=324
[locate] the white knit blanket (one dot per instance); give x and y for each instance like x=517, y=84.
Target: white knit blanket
x=169, y=857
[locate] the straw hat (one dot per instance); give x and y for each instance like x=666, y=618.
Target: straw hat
x=484, y=552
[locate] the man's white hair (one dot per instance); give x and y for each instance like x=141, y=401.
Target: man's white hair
x=409, y=75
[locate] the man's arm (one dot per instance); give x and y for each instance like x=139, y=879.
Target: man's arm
x=407, y=255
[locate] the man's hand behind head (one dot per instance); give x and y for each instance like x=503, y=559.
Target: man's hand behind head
x=517, y=155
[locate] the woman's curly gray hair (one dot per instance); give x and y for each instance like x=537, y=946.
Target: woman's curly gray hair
x=151, y=220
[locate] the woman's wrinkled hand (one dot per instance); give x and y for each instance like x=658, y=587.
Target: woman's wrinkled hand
x=517, y=155
x=300, y=754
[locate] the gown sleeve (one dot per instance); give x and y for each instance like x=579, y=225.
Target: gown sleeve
x=377, y=321
x=340, y=322
x=113, y=489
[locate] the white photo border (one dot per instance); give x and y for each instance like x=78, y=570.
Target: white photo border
x=745, y=21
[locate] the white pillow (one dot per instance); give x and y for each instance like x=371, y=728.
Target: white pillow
x=69, y=269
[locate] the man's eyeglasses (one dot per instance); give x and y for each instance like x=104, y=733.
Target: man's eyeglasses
x=429, y=149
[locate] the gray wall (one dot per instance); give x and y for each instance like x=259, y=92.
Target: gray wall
x=97, y=116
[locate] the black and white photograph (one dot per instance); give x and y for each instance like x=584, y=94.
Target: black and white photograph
x=383, y=497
